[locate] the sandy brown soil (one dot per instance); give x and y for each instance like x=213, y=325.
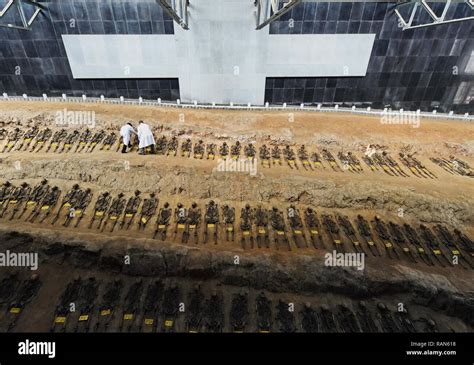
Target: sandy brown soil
x=301, y=127
x=448, y=199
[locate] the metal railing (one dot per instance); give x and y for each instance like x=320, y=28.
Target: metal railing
x=231, y=106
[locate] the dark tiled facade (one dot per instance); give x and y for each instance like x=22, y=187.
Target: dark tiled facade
x=42, y=60
x=408, y=69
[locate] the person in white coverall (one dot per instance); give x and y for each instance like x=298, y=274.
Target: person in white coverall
x=126, y=133
x=145, y=138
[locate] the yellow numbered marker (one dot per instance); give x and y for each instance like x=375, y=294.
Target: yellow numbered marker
x=60, y=320
x=168, y=323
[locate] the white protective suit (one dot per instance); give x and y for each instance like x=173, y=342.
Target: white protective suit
x=145, y=136
x=126, y=133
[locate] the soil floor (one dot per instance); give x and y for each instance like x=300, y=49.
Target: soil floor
x=445, y=199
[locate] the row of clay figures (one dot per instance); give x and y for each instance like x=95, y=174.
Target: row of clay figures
x=376, y=159
x=153, y=306
x=293, y=229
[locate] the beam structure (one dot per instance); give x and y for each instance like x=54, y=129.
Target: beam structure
x=21, y=11
x=178, y=10
x=424, y=6
x=269, y=10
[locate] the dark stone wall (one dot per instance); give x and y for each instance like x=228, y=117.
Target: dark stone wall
x=410, y=69
x=35, y=61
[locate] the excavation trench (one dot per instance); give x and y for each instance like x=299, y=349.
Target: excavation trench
x=447, y=199
x=441, y=291
x=188, y=181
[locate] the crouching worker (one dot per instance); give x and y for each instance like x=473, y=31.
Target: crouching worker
x=145, y=138
x=126, y=133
